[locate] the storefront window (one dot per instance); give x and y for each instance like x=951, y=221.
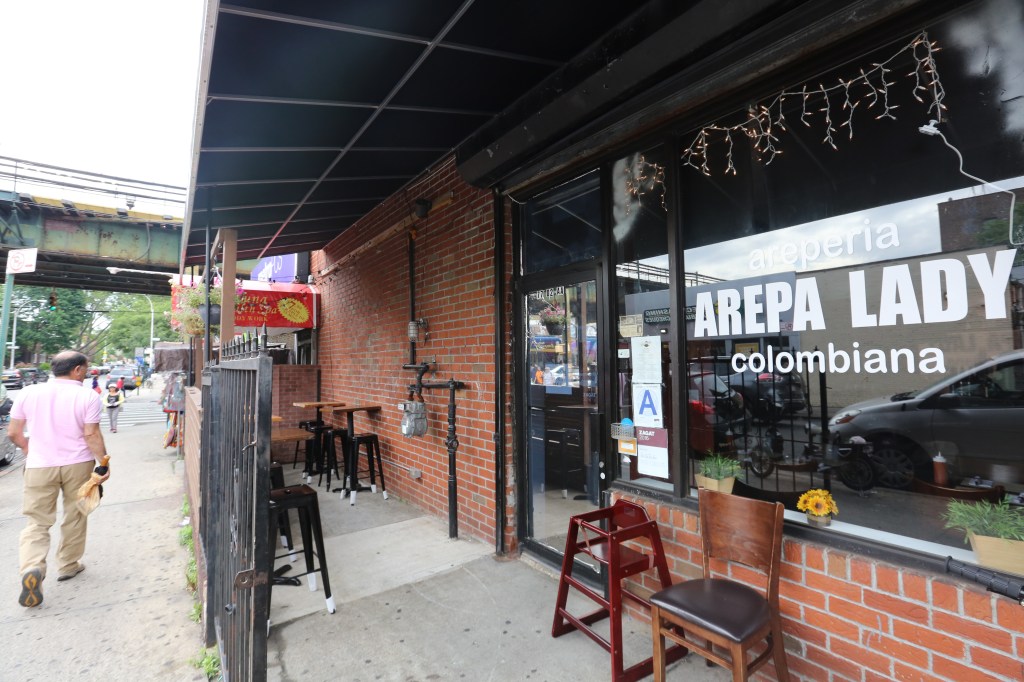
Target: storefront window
x=644, y=327
x=563, y=225
x=859, y=287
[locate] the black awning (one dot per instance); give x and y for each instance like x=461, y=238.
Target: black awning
x=312, y=112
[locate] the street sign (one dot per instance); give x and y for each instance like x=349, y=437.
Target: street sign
x=21, y=260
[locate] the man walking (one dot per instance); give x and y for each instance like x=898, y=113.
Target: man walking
x=63, y=446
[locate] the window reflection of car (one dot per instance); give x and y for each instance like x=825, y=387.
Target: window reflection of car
x=558, y=375
x=975, y=419
x=768, y=395
x=715, y=412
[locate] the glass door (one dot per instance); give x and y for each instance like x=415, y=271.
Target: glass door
x=564, y=465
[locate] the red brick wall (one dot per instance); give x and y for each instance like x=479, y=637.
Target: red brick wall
x=846, y=617
x=363, y=341
x=849, y=617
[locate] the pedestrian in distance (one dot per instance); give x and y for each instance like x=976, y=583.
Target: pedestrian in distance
x=63, y=418
x=96, y=385
x=113, y=400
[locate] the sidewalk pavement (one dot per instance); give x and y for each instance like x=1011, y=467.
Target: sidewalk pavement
x=412, y=604
x=127, y=615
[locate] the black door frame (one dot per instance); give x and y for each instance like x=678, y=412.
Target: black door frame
x=588, y=271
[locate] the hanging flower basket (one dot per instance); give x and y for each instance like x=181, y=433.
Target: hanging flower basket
x=193, y=327
x=212, y=316
x=189, y=312
x=553, y=318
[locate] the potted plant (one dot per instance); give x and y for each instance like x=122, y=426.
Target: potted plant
x=553, y=318
x=717, y=472
x=994, y=530
x=819, y=506
x=189, y=315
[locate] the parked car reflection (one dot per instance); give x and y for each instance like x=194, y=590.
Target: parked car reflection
x=975, y=419
x=769, y=396
x=716, y=413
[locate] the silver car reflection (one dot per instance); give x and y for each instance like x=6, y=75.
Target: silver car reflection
x=975, y=419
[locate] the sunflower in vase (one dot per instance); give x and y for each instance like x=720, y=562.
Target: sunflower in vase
x=819, y=506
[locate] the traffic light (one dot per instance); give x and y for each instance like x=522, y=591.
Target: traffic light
x=53, y=300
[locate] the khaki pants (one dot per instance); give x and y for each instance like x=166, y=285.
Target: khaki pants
x=40, y=507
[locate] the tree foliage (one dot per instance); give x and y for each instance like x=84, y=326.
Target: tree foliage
x=92, y=322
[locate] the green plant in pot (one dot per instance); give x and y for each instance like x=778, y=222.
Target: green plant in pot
x=553, y=318
x=717, y=472
x=995, y=532
x=189, y=315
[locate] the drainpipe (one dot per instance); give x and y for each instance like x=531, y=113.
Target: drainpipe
x=451, y=441
x=499, y=372
x=412, y=291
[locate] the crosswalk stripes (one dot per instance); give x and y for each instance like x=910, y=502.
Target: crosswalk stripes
x=138, y=410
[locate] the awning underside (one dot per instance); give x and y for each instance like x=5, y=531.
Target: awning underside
x=315, y=112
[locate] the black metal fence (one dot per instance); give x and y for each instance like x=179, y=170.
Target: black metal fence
x=775, y=424
x=235, y=522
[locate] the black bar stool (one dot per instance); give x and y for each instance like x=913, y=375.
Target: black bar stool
x=285, y=528
x=341, y=434
x=304, y=499
x=372, y=444
x=308, y=425
x=330, y=453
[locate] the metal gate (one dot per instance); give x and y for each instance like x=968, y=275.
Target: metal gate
x=777, y=426
x=236, y=494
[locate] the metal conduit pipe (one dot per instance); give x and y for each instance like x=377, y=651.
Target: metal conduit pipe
x=412, y=291
x=499, y=372
x=451, y=440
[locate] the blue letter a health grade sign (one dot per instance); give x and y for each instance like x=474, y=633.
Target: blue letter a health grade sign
x=647, y=405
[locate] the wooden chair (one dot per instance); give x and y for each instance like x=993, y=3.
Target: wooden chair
x=725, y=614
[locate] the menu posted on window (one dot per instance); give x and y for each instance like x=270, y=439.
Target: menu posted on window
x=652, y=451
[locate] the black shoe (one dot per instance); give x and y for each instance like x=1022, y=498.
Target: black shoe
x=31, y=588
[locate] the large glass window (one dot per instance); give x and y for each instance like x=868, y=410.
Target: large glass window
x=859, y=287
x=563, y=225
x=644, y=328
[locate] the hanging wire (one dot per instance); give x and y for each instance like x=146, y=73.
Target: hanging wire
x=931, y=129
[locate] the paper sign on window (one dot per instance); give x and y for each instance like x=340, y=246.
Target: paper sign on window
x=647, y=405
x=652, y=451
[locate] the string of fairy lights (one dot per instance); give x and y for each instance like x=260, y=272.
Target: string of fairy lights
x=643, y=177
x=836, y=106
x=765, y=120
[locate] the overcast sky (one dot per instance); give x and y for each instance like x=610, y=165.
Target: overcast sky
x=105, y=86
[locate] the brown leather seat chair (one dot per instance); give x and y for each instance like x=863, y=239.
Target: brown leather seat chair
x=723, y=617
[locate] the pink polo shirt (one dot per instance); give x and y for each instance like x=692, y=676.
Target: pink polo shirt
x=56, y=414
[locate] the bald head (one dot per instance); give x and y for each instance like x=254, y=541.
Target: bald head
x=66, y=361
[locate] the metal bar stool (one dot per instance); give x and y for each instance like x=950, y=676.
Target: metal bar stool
x=304, y=499
x=341, y=434
x=283, y=525
x=311, y=454
x=372, y=443
x=329, y=454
